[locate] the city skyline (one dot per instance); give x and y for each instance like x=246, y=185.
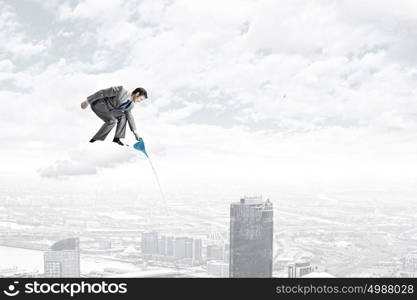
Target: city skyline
x=366, y=240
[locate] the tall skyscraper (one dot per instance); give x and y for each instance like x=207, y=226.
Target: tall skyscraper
x=149, y=243
x=180, y=247
x=251, y=238
x=170, y=246
x=162, y=246
x=63, y=259
x=197, y=249
x=188, y=248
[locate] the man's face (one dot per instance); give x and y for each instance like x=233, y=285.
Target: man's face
x=136, y=98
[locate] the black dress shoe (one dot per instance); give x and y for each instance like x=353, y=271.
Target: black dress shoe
x=118, y=141
x=92, y=140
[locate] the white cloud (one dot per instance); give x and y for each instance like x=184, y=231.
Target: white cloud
x=12, y=40
x=289, y=87
x=6, y=65
x=88, y=160
x=93, y=9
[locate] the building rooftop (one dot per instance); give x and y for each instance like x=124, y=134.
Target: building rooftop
x=67, y=244
x=253, y=201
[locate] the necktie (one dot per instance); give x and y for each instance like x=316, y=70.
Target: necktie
x=124, y=105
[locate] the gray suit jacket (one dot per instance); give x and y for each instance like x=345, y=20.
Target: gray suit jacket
x=116, y=94
x=114, y=97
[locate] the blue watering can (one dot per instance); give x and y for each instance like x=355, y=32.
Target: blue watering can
x=140, y=145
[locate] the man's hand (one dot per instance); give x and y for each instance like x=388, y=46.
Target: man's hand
x=137, y=136
x=84, y=104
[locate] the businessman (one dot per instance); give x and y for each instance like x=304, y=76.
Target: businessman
x=114, y=106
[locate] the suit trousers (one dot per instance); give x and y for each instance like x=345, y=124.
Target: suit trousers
x=110, y=117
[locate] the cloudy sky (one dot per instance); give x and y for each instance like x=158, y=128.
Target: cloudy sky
x=243, y=94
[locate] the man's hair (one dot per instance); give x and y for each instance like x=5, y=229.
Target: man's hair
x=141, y=91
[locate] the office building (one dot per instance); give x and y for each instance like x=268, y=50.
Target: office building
x=251, y=238
x=299, y=269
x=149, y=243
x=63, y=259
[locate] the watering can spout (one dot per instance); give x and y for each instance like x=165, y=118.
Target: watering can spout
x=140, y=145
